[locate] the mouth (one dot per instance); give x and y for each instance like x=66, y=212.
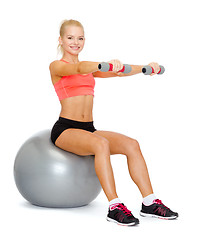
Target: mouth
x=75, y=48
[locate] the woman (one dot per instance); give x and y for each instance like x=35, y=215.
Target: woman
x=75, y=132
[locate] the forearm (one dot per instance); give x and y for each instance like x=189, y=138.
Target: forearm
x=135, y=70
x=86, y=67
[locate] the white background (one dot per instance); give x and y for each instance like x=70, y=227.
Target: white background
x=160, y=111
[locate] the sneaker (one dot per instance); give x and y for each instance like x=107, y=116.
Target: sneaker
x=121, y=215
x=158, y=210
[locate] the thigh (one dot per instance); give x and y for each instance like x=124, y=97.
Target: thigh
x=78, y=141
x=118, y=143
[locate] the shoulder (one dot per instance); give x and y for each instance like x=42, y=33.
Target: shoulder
x=55, y=65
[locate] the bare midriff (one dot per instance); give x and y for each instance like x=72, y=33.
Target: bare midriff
x=78, y=108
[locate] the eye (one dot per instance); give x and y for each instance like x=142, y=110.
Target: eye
x=70, y=38
x=81, y=38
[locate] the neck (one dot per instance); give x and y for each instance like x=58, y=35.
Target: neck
x=70, y=58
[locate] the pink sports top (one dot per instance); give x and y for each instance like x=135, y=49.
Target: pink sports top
x=74, y=85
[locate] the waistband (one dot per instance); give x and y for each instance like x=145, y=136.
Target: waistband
x=70, y=121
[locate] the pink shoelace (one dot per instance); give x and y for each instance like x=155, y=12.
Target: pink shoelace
x=159, y=202
x=124, y=209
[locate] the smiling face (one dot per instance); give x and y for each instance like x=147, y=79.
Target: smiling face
x=73, y=40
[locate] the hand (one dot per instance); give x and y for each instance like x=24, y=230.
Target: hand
x=117, y=65
x=155, y=66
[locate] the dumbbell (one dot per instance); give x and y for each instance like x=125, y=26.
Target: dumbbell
x=147, y=70
x=105, y=67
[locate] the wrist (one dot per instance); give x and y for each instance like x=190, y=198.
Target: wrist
x=86, y=67
x=141, y=66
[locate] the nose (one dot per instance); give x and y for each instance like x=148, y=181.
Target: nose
x=76, y=41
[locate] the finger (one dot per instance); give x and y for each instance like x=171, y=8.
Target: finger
x=152, y=74
x=114, y=65
x=119, y=65
x=157, y=67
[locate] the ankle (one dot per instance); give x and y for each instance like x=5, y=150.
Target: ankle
x=148, y=200
x=114, y=202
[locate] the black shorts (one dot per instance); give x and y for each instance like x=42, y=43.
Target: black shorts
x=64, y=123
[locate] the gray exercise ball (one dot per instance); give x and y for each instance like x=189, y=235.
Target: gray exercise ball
x=48, y=176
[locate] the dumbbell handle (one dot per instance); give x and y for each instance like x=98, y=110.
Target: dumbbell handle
x=147, y=70
x=105, y=67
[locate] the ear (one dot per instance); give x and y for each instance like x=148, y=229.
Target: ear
x=60, y=41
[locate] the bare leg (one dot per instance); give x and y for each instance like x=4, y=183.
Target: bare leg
x=121, y=144
x=104, y=172
x=85, y=143
x=138, y=171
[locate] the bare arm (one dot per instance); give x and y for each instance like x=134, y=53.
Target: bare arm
x=135, y=70
x=59, y=68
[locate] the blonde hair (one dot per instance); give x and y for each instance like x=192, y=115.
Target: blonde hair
x=64, y=24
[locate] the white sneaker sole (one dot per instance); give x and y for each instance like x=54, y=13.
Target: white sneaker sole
x=155, y=216
x=122, y=224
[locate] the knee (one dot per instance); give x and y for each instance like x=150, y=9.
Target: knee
x=102, y=145
x=133, y=145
